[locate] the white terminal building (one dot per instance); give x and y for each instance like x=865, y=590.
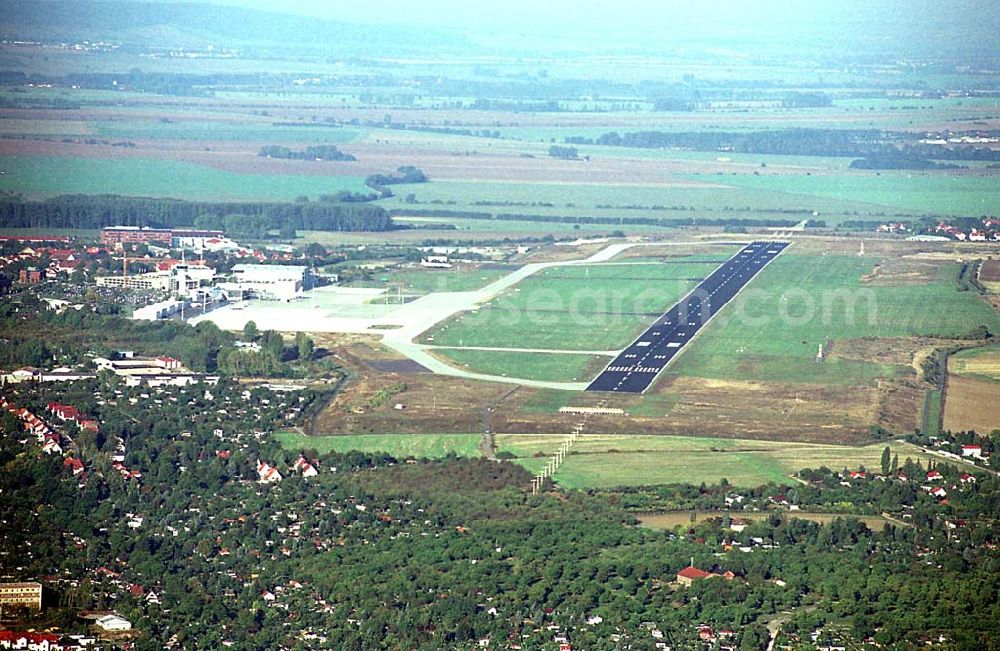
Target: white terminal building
x=275, y=282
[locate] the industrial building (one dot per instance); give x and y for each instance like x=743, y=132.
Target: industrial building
x=276, y=282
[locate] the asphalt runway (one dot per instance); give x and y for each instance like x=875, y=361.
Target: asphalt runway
x=634, y=370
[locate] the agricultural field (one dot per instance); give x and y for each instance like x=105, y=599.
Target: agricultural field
x=603, y=461
x=972, y=388
x=982, y=363
x=989, y=275
x=708, y=196
x=911, y=192
x=45, y=176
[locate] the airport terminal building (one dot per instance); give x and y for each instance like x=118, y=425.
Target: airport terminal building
x=275, y=282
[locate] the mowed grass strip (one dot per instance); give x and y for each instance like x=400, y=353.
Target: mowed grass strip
x=772, y=330
x=589, y=307
x=602, y=461
x=431, y=446
x=551, y=367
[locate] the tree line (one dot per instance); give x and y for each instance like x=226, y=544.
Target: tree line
x=315, y=152
x=861, y=143
x=99, y=211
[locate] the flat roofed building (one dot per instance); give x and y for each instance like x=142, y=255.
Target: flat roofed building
x=21, y=595
x=280, y=282
x=153, y=280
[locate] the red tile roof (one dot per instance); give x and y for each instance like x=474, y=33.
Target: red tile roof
x=691, y=572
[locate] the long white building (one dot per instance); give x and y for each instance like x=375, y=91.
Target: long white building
x=278, y=282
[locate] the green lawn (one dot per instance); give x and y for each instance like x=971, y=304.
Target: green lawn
x=772, y=330
x=589, y=307
x=42, y=176
x=398, y=445
x=599, y=461
x=931, y=417
x=529, y=366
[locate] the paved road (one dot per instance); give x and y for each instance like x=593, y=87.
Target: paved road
x=639, y=364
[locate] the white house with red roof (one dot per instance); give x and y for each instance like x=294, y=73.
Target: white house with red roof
x=268, y=474
x=303, y=466
x=972, y=451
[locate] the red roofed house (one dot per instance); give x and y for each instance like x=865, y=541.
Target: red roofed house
x=32, y=641
x=933, y=475
x=75, y=464
x=306, y=468
x=966, y=478
x=972, y=451
x=267, y=473
x=690, y=574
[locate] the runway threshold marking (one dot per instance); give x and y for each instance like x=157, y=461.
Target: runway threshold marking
x=638, y=366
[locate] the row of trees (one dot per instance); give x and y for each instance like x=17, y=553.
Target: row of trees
x=98, y=211
x=314, y=152
x=864, y=143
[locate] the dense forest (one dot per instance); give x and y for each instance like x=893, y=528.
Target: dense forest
x=98, y=211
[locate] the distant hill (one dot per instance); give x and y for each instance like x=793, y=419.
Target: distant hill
x=158, y=24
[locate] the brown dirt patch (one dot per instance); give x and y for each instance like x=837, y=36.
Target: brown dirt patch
x=690, y=406
x=902, y=271
x=899, y=351
x=971, y=404
x=989, y=275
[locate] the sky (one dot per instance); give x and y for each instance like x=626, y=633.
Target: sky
x=905, y=20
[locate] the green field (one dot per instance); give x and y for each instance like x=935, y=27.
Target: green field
x=931, y=416
x=398, y=445
x=518, y=226
x=585, y=307
x=44, y=176
x=723, y=201
x=914, y=192
x=772, y=330
x=560, y=367
x=599, y=461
